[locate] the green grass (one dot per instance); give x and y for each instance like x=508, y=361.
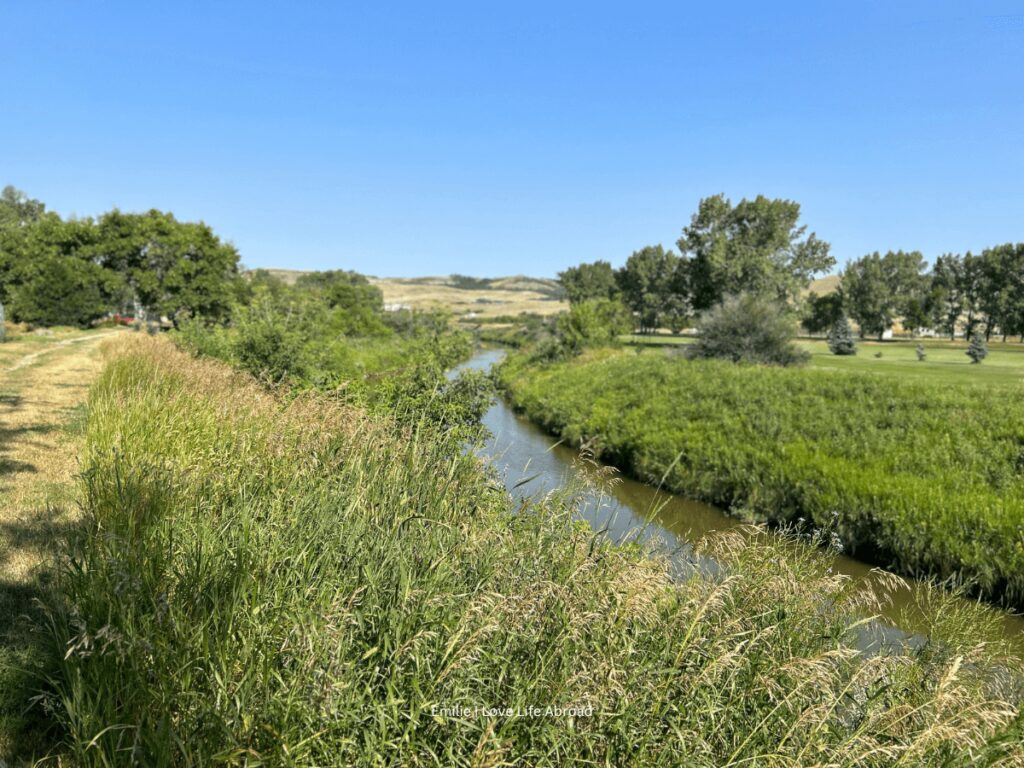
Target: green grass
x=945, y=361
x=287, y=582
x=923, y=473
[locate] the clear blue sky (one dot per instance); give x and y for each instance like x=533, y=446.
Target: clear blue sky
x=493, y=138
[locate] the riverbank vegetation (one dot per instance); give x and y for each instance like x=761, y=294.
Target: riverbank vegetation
x=922, y=476
x=277, y=579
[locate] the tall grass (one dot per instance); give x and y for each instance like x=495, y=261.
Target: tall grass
x=925, y=477
x=270, y=581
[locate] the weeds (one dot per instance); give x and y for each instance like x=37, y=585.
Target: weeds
x=270, y=581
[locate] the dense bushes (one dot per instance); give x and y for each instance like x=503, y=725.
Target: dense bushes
x=593, y=322
x=747, y=329
x=923, y=476
x=329, y=332
x=275, y=582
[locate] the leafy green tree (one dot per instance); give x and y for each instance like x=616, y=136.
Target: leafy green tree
x=867, y=295
x=840, y=337
x=754, y=247
x=588, y=281
x=356, y=303
x=646, y=283
x=947, y=292
x=748, y=328
x=63, y=290
x=18, y=209
x=677, y=312
x=1001, y=288
x=822, y=312
x=172, y=268
x=972, y=283
x=877, y=289
x=978, y=349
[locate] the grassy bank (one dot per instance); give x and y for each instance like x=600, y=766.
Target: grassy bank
x=921, y=475
x=283, y=581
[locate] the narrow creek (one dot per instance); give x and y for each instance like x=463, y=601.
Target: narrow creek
x=533, y=463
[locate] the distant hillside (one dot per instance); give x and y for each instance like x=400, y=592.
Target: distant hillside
x=824, y=285
x=463, y=296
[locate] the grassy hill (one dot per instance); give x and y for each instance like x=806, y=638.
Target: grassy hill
x=464, y=296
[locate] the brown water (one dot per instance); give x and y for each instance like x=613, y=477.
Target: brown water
x=533, y=463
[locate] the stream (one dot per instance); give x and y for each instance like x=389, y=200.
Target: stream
x=532, y=463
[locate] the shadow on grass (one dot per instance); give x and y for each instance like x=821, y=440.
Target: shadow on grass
x=26, y=730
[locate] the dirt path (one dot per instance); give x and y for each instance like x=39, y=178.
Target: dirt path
x=41, y=394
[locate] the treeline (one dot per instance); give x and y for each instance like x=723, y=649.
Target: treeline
x=971, y=293
x=758, y=247
x=56, y=271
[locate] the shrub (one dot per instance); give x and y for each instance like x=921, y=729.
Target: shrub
x=978, y=349
x=595, y=321
x=748, y=329
x=840, y=338
x=269, y=347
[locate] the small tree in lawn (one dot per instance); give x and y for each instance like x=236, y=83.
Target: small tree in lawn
x=840, y=338
x=978, y=349
x=921, y=353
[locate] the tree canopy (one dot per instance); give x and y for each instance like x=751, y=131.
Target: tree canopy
x=74, y=271
x=756, y=246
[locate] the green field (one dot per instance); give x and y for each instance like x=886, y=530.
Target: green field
x=288, y=581
x=945, y=360
x=921, y=473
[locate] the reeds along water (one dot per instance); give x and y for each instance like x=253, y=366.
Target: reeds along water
x=288, y=581
x=922, y=477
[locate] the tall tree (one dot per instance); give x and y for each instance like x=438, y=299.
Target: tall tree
x=867, y=295
x=646, y=284
x=172, y=267
x=756, y=247
x=588, y=281
x=822, y=312
x=947, y=292
x=877, y=289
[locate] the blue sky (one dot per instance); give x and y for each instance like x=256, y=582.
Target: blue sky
x=493, y=138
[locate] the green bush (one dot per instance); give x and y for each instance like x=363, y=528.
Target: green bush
x=593, y=322
x=747, y=329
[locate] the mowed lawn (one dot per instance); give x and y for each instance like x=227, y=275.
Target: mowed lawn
x=945, y=360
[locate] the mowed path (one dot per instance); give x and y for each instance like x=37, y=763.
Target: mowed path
x=43, y=388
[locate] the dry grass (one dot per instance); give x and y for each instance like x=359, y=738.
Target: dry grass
x=43, y=381
x=504, y=296
x=515, y=299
